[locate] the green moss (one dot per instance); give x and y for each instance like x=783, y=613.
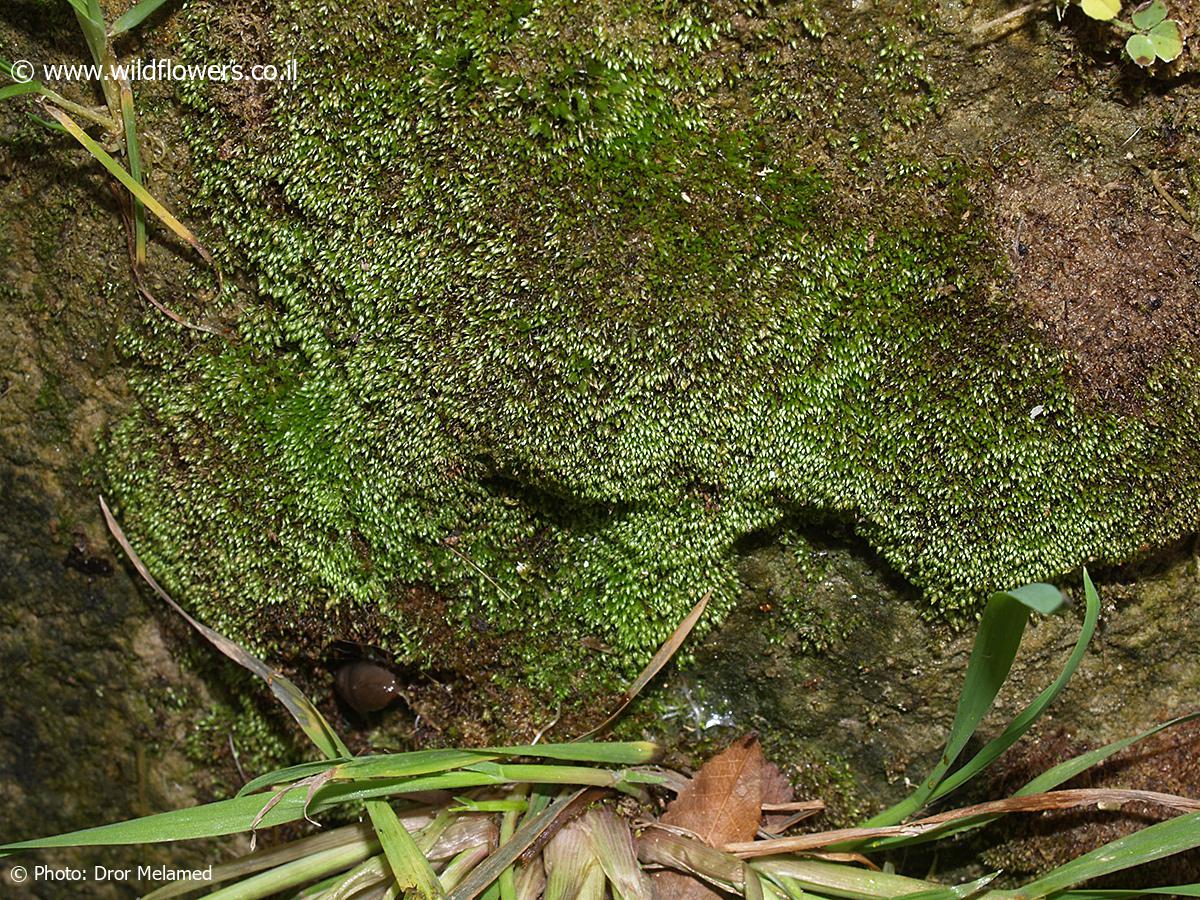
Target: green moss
x=553, y=306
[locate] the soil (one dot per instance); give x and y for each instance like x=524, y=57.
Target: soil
x=1111, y=278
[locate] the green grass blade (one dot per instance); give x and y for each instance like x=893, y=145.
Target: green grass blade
x=119, y=173
x=19, y=90
x=360, y=836
x=1178, y=890
x=424, y=762
x=487, y=872
x=1151, y=843
x=412, y=871
x=135, y=16
x=1047, y=781
x=632, y=753
x=91, y=23
x=844, y=881
x=239, y=814
x=996, y=643
x=1065, y=771
x=506, y=885
x=1022, y=723
x=134, y=154
x=392, y=765
x=294, y=874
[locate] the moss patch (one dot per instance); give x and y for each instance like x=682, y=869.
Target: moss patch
x=553, y=303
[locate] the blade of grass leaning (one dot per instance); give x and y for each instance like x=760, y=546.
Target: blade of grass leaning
x=846, y=881
x=394, y=765
x=1151, y=843
x=242, y=814
x=424, y=761
x=507, y=884
x=412, y=871
x=660, y=659
x=1047, y=781
x=1000, y=631
x=139, y=192
x=237, y=814
x=1065, y=771
x=615, y=753
x=134, y=154
x=1052, y=800
x=292, y=875
x=134, y=16
x=19, y=90
x=307, y=716
x=1025, y=719
x=523, y=838
x=359, y=835
x=1178, y=890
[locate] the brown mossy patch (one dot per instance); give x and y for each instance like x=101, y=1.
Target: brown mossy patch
x=1109, y=277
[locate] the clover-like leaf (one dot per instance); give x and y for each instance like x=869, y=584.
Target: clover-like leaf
x=1149, y=14
x=1140, y=49
x=1167, y=40
x=1104, y=10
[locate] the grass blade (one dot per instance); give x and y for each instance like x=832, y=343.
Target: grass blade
x=412, y=871
x=358, y=835
x=660, y=659
x=846, y=881
x=628, y=753
x=134, y=154
x=1179, y=890
x=135, y=16
x=392, y=765
x=1022, y=722
x=996, y=643
x=1065, y=771
x=525, y=837
x=1151, y=843
x=307, y=716
x=139, y=192
x=294, y=874
x=19, y=90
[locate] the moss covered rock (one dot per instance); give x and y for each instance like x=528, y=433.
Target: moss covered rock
x=552, y=303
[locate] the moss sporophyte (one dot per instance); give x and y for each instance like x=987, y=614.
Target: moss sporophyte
x=551, y=307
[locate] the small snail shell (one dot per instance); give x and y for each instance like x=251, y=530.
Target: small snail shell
x=368, y=687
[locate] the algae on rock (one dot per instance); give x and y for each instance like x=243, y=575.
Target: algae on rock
x=550, y=310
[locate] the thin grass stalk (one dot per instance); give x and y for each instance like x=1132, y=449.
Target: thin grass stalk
x=134, y=154
x=295, y=874
x=508, y=826
x=462, y=865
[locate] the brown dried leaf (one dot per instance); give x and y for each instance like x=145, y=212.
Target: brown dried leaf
x=776, y=790
x=725, y=798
